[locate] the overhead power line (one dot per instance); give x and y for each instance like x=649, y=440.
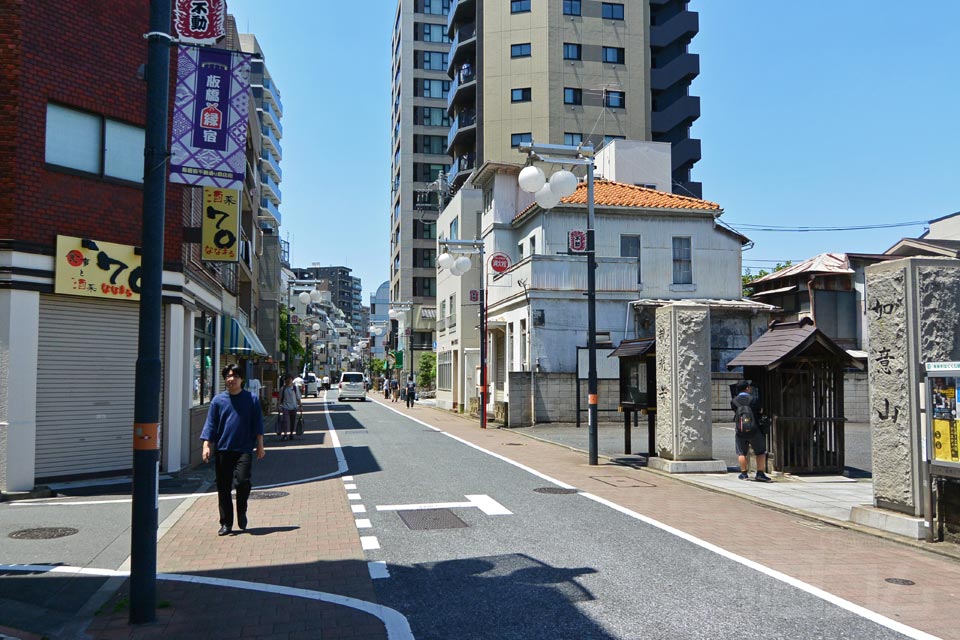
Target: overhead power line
x=762, y=227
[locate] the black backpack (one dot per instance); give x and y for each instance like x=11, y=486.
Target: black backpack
x=744, y=420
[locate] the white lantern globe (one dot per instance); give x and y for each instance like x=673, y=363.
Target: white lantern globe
x=531, y=179
x=393, y=313
x=563, y=183
x=446, y=260
x=461, y=265
x=315, y=296
x=304, y=297
x=546, y=197
x=316, y=326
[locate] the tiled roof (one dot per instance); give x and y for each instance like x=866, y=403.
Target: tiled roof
x=607, y=193
x=823, y=263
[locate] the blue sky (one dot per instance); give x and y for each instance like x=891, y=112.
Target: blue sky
x=831, y=113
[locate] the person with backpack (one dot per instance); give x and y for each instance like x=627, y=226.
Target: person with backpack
x=411, y=391
x=748, y=432
x=395, y=389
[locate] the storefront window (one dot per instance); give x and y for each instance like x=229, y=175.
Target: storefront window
x=203, y=353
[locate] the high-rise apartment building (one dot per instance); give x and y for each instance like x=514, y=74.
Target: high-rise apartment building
x=472, y=80
x=345, y=291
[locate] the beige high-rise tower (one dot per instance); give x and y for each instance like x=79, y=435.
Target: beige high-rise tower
x=472, y=79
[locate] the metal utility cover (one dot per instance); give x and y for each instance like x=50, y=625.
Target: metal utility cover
x=622, y=481
x=426, y=519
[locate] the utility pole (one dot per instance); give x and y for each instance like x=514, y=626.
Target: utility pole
x=146, y=408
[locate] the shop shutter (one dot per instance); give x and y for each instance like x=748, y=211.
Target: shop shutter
x=85, y=386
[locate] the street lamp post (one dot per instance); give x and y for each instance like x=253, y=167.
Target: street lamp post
x=456, y=257
x=396, y=308
x=548, y=194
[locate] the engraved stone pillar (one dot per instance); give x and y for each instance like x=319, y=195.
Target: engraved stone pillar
x=684, y=421
x=913, y=307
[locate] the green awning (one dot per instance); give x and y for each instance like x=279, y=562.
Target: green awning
x=240, y=340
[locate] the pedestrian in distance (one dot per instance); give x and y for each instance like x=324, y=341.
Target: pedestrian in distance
x=231, y=433
x=411, y=391
x=394, y=389
x=748, y=430
x=290, y=403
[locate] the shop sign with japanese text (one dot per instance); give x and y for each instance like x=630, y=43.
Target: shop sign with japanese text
x=199, y=21
x=221, y=224
x=96, y=269
x=209, y=133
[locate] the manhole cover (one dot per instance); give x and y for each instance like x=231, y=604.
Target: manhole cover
x=425, y=519
x=44, y=533
x=900, y=581
x=267, y=495
x=554, y=490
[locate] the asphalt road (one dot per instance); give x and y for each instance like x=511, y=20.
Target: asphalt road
x=556, y=566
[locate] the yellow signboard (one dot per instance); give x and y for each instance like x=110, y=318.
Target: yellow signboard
x=221, y=225
x=96, y=269
x=946, y=444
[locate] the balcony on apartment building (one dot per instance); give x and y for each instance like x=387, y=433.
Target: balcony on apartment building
x=463, y=47
x=463, y=88
x=269, y=116
x=684, y=68
x=271, y=139
x=462, y=129
x=268, y=208
x=681, y=27
x=270, y=187
x=460, y=11
x=683, y=111
x=269, y=162
x=462, y=167
x=261, y=82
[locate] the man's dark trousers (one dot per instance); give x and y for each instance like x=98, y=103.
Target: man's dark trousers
x=233, y=472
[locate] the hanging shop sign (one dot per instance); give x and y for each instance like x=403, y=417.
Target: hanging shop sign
x=577, y=241
x=499, y=262
x=209, y=133
x=97, y=269
x=221, y=224
x=199, y=21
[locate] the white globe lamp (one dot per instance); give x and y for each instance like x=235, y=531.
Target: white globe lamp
x=546, y=197
x=531, y=179
x=446, y=260
x=304, y=297
x=563, y=183
x=315, y=296
x=461, y=265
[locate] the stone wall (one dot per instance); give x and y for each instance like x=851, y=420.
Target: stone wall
x=557, y=400
x=856, y=396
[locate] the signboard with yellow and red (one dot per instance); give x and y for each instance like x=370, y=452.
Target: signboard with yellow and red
x=97, y=269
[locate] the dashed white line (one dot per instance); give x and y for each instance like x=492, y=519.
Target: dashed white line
x=363, y=523
x=350, y=487
x=354, y=496
x=358, y=508
x=369, y=543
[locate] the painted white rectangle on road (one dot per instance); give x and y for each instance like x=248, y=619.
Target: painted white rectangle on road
x=485, y=503
x=358, y=508
x=488, y=505
x=369, y=543
x=350, y=487
x=363, y=523
x=378, y=570
x=354, y=496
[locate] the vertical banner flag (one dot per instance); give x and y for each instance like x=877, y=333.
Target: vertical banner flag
x=199, y=21
x=209, y=134
x=221, y=224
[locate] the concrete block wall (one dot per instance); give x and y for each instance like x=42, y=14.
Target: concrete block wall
x=856, y=396
x=556, y=399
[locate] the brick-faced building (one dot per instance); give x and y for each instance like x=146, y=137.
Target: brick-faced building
x=71, y=165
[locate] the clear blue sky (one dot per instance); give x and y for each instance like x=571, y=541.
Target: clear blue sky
x=817, y=113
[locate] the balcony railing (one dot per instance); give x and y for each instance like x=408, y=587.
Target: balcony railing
x=566, y=273
x=463, y=120
x=267, y=207
x=269, y=184
x=271, y=137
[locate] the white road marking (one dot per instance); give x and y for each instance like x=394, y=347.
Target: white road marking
x=363, y=523
x=358, y=508
x=485, y=503
x=395, y=623
x=354, y=496
x=348, y=478
x=378, y=570
x=350, y=487
x=369, y=543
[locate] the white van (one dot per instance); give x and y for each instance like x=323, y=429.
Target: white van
x=352, y=386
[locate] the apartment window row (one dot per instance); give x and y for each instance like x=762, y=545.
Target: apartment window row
x=608, y=10
x=432, y=7
x=425, y=88
x=611, y=99
x=430, y=60
x=428, y=171
x=517, y=138
x=445, y=370
x=425, y=32
x=425, y=287
x=519, y=6
x=425, y=258
x=682, y=257
x=424, y=230
x=92, y=144
x=571, y=8
x=429, y=144
x=520, y=95
x=431, y=116
x=521, y=50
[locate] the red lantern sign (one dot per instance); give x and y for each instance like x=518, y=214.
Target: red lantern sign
x=200, y=21
x=577, y=241
x=499, y=262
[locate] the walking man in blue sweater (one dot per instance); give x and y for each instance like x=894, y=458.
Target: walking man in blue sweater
x=234, y=427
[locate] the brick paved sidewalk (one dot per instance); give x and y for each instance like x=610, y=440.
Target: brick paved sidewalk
x=306, y=539
x=852, y=565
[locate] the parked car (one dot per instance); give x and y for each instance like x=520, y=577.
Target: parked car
x=311, y=385
x=352, y=386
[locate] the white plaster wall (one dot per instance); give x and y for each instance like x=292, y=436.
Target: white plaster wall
x=636, y=162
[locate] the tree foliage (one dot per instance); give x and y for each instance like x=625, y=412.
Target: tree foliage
x=427, y=371
x=377, y=366
x=297, y=350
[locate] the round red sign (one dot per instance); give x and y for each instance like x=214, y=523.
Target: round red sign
x=499, y=262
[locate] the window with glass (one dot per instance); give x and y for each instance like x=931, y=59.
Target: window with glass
x=517, y=138
x=571, y=139
x=519, y=6
x=571, y=51
x=523, y=344
x=572, y=95
x=428, y=171
x=453, y=311
x=571, y=7
x=429, y=144
x=445, y=370
x=682, y=261
x=454, y=229
x=630, y=248
x=431, y=116
x=611, y=11
x=520, y=95
x=608, y=138
x=430, y=60
x=204, y=335
x=426, y=287
x=91, y=144
x=423, y=230
x=431, y=32
x=425, y=88
x=425, y=258
x=614, y=55
x=520, y=50
x=435, y=7
x=615, y=99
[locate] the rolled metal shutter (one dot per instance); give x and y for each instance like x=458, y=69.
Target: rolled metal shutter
x=86, y=370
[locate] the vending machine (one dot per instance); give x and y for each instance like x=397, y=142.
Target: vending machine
x=942, y=437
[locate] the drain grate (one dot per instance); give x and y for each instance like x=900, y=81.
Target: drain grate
x=267, y=495
x=44, y=533
x=901, y=581
x=426, y=519
x=555, y=490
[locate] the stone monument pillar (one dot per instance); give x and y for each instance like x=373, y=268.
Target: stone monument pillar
x=684, y=421
x=912, y=308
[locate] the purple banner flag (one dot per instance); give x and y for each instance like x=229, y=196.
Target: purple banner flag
x=208, y=139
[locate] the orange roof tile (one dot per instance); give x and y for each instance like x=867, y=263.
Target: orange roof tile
x=607, y=193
